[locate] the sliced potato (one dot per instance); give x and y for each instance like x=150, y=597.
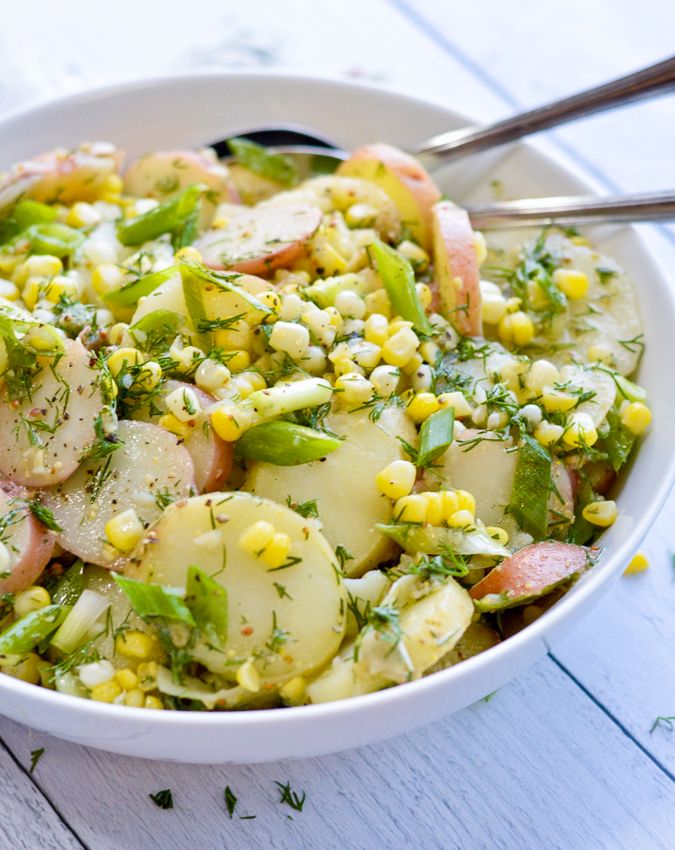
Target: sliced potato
x=27, y=542
x=163, y=173
x=343, y=484
x=260, y=239
x=476, y=639
x=363, y=594
x=403, y=179
x=167, y=296
x=45, y=436
x=288, y=621
x=148, y=470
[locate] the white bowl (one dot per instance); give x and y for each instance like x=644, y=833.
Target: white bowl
x=193, y=110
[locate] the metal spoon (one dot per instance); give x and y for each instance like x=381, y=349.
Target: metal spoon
x=309, y=149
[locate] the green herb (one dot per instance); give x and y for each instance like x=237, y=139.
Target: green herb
x=531, y=487
x=343, y=555
x=44, y=515
x=386, y=621
x=168, y=217
x=163, y=799
x=281, y=591
x=35, y=757
x=290, y=797
x=448, y=563
x=227, y=324
x=22, y=216
x=69, y=586
x=666, y=722
x=398, y=279
x=436, y=435
x=278, y=638
x=276, y=167
x=154, y=600
x=306, y=509
x=105, y=443
x=605, y=274
x=230, y=801
x=207, y=600
x=619, y=441
x=21, y=363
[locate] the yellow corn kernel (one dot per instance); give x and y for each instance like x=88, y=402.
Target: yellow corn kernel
x=457, y=401
x=541, y=374
x=238, y=360
x=547, y=433
x=376, y=329
x=450, y=503
x=31, y=599
x=106, y=278
x=111, y=188
x=385, y=380
x=134, y=644
x=411, y=508
x=538, y=298
x=124, y=530
x=276, y=552
x=153, y=702
x=38, y=265
x=434, y=511
x=639, y=563
x=256, y=537
x=134, y=698
x=169, y=422
x=493, y=303
x=150, y=375
x=466, y=501
x=293, y=692
x=398, y=324
x=636, y=417
x=499, y=534
x=248, y=677
x=123, y=359
x=147, y=675
x=187, y=357
x=513, y=304
x=82, y=214
x=126, y=679
x=211, y=375
x=412, y=365
x=345, y=366
x=422, y=406
x=230, y=421
x=32, y=291
x=573, y=283
x=378, y=302
x=557, y=401
x=105, y=692
x=424, y=294
x=396, y=479
x=602, y=514
x=8, y=290
x=189, y=254
x=460, y=519
x=516, y=329
x=580, y=431
x=416, y=256
x=62, y=286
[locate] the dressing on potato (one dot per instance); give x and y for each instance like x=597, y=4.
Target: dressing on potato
x=269, y=442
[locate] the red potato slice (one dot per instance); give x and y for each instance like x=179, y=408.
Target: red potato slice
x=162, y=174
x=529, y=573
x=211, y=455
x=149, y=470
x=28, y=543
x=403, y=179
x=456, y=266
x=43, y=438
x=256, y=241
x=60, y=175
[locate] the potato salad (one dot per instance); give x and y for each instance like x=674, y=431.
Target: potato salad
x=271, y=441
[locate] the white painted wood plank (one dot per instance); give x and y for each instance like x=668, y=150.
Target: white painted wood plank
x=538, y=766
x=27, y=820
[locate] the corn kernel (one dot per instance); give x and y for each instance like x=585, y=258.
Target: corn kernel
x=124, y=530
x=150, y=375
x=135, y=644
x=457, y=401
x=211, y=375
x=345, y=366
x=422, y=406
x=248, y=677
x=230, y=421
x=573, y=283
x=547, y=433
x=147, y=675
x=513, y=304
x=123, y=359
x=126, y=679
x=557, y=401
x=8, y=290
x=82, y=214
x=107, y=277
x=466, y=501
x=397, y=479
x=414, y=254
x=293, y=692
x=493, y=303
x=134, y=698
x=360, y=215
x=580, y=431
x=378, y=302
x=31, y=599
x=62, y=286
x=542, y=373
x=183, y=403
x=353, y=389
x=450, y=503
x=434, y=511
x=366, y=354
x=636, y=417
x=256, y=537
x=602, y=513
x=411, y=508
x=497, y=533
x=413, y=364
x=169, y=422
x=38, y=265
x=350, y=305
x=639, y=563
x=238, y=360
x=153, y=702
x=105, y=692
x=276, y=552
x=32, y=291
x=112, y=187
x=516, y=329
x=460, y=519
x=385, y=380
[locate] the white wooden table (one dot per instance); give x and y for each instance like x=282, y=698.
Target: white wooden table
x=562, y=757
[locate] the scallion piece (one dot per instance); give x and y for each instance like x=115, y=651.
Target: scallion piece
x=169, y=217
x=273, y=166
x=53, y=238
x=285, y=443
x=435, y=436
x=25, y=634
x=129, y=294
x=531, y=488
x=83, y=616
x=207, y=600
x=275, y=401
x=155, y=600
x=398, y=279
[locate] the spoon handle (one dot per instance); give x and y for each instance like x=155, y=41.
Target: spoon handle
x=646, y=206
x=646, y=82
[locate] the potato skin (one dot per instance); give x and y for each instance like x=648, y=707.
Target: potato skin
x=29, y=543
